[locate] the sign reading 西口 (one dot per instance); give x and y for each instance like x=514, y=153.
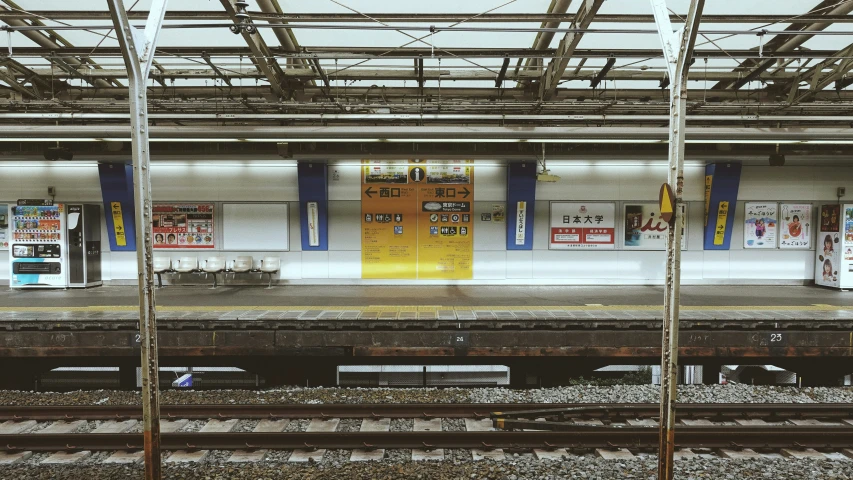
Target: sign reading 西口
x=417, y=220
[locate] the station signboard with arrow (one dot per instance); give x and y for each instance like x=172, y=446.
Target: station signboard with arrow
x=417, y=219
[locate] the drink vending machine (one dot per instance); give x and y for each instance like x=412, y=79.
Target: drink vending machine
x=38, y=253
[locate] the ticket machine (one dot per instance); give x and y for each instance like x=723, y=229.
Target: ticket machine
x=38, y=254
x=84, y=245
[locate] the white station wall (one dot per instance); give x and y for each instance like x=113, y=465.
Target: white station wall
x=615, y=182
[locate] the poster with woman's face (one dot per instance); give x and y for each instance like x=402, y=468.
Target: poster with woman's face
x=759, y=227
x=795, y=225
x=828, y=249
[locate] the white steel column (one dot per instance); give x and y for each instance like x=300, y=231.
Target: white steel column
x=138, y=52
x=678, y=52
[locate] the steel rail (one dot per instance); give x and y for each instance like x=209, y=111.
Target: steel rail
x=431, y=410
x=584, y=437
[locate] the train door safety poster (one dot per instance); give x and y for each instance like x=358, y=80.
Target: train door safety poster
x=417, y=219
x=759, y=225
x=645, y=230
x=183, y=225
x=577, y=225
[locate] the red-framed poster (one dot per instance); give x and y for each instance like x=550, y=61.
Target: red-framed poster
x=183, y=225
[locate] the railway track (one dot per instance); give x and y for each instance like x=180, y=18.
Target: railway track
x=491, y=429
x=578, y=438
x=611, y=412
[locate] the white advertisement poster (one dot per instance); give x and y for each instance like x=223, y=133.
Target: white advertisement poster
x=828, y=246
x=644, y=229
x=578, y=225
x=795, y=225
x=4, y=226
x=759, y=225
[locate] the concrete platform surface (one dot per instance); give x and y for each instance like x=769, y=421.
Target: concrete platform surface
x=421, y=295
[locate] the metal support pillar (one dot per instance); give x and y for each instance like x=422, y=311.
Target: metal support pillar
x=137, y=48
x=677, y=50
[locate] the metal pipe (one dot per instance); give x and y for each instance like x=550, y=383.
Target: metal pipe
x=431, y=133
x=138, y=52
x=427, y=117
x=678, y=63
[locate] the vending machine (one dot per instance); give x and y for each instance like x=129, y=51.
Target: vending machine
x=84, y=245
x=38, y=254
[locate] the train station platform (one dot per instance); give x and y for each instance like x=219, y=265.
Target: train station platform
x=240, y=297
x=546, y=331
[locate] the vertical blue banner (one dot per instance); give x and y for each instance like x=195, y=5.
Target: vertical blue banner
x=722, y=181
x=119, y=213
x=520, y=200
x=314, y=205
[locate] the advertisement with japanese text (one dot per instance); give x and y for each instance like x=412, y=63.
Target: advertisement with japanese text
x=183, y=225
x=828, y=246
x=645, y=230
x=4, y=226
x=795, y=225
x=577, y=225
x=420, y=227
x=759, y=225
x=846, y=274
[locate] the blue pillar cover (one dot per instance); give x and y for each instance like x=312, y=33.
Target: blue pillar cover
x=314, y=190
x=520, y=200
x=722, y=181
x=119, y=213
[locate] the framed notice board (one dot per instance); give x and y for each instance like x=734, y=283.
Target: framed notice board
x=255, y=226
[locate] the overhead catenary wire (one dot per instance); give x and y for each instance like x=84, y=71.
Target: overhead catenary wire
x=436, y=29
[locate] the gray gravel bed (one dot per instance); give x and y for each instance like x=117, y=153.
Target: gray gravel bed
x=193, y=425
x=297, y=425
x=400, y=454
x=245, y=425
x=455, y=454
x=732, y=393
x=349, y=425
x=520, y=468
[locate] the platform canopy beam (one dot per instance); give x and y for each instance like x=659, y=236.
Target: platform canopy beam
x=753, y=67
x=566, y=49
x=138, y=53
x=678, y=52
x=261, y=54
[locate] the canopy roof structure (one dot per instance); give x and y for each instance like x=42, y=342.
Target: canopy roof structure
x=761, y=63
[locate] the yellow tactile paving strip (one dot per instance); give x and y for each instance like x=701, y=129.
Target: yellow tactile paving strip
x=431, y=308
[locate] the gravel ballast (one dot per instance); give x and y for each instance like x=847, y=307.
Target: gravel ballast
x=732, y=393
x=516, y=468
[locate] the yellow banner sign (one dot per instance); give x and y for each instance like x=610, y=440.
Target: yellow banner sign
x=118, y=224
x=708, y=181
x=722, y=216
x=417, y=220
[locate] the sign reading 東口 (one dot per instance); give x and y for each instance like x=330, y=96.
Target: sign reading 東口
x=417, y=220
